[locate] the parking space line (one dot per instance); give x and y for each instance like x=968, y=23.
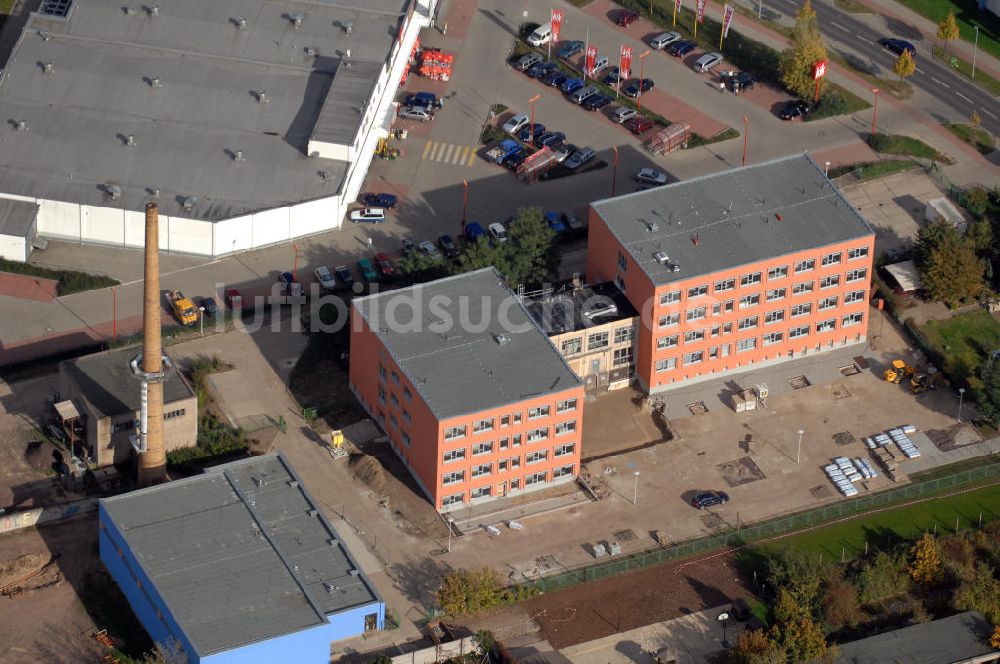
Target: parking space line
x=438, y=149
x=989, y=113
x=838, y=25
x=465, y=155
x=940, y=82
x=919, y=70
x=865, y=40
x=427, y=148
x=446, y=156
x=472, y=155
x=965, y=98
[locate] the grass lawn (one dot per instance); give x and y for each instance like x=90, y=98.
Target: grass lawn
x=906, y=146
x=872, y=170
x=964, y=67
x=963, y=341
x=884, y=529
x=836, y=100
x=967, y=15
x=974, y=136
x=6, y=6
x=70, y=281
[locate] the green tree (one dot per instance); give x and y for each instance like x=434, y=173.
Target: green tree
x=988, y=396
x=883, y=578
x=800, y=575
x=948, y=30
x=470, y=591
x=807, y=48
x=803, y=640
x=904, y=66
x=754, y=646
x=953, y=272
x=995, y=638
x=980, y=592
x=485, y=641
x=418, y=266
x=925, y=560
x=533, y=258
x=841, y=607
x=930, y=236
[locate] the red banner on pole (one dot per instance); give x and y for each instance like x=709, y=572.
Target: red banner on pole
x=819, y=69
x=727, y=19
x=677, y=7
x=625, y=64
x=591, y=59
x=701, y=11
x=557, y=18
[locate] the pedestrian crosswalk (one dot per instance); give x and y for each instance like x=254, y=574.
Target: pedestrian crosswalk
x=448, y=153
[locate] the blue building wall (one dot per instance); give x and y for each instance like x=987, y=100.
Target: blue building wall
x=307, y=646
x=142, y=596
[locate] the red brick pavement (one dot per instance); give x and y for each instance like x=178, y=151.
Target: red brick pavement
x=457, y=18
x=28, y=288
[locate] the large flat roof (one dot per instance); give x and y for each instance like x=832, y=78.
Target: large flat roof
x=240, y=553
x=17, y=217
x=958, y=638
x=736, y=217
x=104, y=58
x=105, y=380
x=569, y=308
x=466, y=343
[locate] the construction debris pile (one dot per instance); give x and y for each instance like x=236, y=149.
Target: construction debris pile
x=28, y=573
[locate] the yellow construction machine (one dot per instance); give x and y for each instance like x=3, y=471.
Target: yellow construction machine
x=927, y=380
x=898, y=371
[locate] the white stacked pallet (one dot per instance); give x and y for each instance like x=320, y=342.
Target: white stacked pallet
x=904, y=443
x=908, y=428
x=842, y=473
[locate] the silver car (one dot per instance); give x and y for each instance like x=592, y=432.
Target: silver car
x=706, y=62
x=416, y=113
x=325, y=278
x=623, y=114
x=660, y=42
x=526, y=61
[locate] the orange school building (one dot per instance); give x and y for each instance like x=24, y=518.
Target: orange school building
x=753, y=265
x=475, y=400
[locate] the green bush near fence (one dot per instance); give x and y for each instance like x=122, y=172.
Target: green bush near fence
x=738, y=537
x=962, y=343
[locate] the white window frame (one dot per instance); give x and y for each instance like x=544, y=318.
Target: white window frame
x=457, y=432
x=856, y=253
x=834, y=258
x=803, y=309
x=566, y=405
x=724, y=285
x=796, y=332
x=748, y=323
x=854, y=296
x=694, y=357
x=750, y=279
x=668, y=320
x=805, y=265
x=670, y=298
x=828, y=325
x=852, y=319
x=669, y=341
x=539, y=411
x=666, y=364
x=749, y=301
x=772, y=317
x=485, y=447
x=744, y=345
x=829, y=281
x=827, y=303
x=696, y=314
x=772, y=338
x=856, y=274
x=563, y=428
x=777, y=272
x=776, y=294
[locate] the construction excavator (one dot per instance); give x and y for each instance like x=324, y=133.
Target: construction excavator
x=927, y=380
x=898, y=371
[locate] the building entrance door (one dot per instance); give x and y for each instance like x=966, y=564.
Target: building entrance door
x=501, y=490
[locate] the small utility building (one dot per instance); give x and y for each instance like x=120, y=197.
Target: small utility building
x=237, y=566
x=17, y=229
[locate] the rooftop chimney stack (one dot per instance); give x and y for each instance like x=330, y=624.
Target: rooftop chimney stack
x=152, y=456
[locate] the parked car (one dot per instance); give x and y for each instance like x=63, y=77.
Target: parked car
x=613, y=78
x=384, y=201
x=368, y=215
x=597, y=102
x=570, y=48
x=427, y=100
x=406, y=246
x=550, y=139
x=626, y=18
x=555, y=222
x=528, y=132
x=573, y=222
x=742, y=81
x=623, y=114
x=601, y=63
x=325, y=277
x=448, y=246
x=709, y=498
x=562, y=152
x=233, y=299
x=555, y=78
x=639, y=126
x=650, y=176
x=897, y=46
x=516, y=123
x=706, y=62
x=541, y=35
x=516, y=154
x=661, y=41
x=344, y=274
x=527, y=61
x=795, y=109
x=571, y=85
x=497, y=232
x=515, y=160
x=681, y=48
x=428, y=248
x=581, y=95
x=542, y=69
x=580, y=157
x=638, y=86
x=474, y=231
x=385, y=266
x=209, y=306
x=418, y=113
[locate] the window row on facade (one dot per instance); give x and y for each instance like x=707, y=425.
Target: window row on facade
x=488, y=424
x=596, y=340
x=512, y=440
x=516, y=484
x=505, y=465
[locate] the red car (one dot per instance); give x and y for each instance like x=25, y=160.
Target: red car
x=384, y=264
x=234, y=299
x=626, y=18
x=639, y=126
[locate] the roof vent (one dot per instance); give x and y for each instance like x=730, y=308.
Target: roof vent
x=324, y=175
x=48, y=68
x=354, y=572
x=293, y=484
x=330, y=588
x=114, y=191
x=241, y=22
x=296, y=19
x=20, y=125
x=238, y=155
x=155, y=82
x=309, y=51
x=652, y=227
x=56, y=7
x=661, y=257
x=153, y=193
x=129, y=11
x=130, y=140
x=502, y=339
x=349, y=27
x=189, y=203
x=333, y=541
x=313, y=512
x=695, y=239
x=153, y=10
x=347, y=54
x=262, y=97
x=676, y=267
x=45, y=35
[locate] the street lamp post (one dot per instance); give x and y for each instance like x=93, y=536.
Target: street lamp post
x=295, y=264
x=642, y=65
x=746, y=136
x=826, y=171
x=798, y=455
x=975, y=50
x=635, y=489
x=874, y=111
x=532, y=125
x=961, y=396
x=451, y=522
x=201, y=321
x=723, y=617
x=465, y=203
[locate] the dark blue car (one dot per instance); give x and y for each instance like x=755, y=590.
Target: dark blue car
x=613, y=78
x=387, y=201
x=570, y=48
x=530, y=132
x=571, y=85
x=709, y=498
x=682, y=48
x=554, y=78
x=555, y=221
x=550, y=139
x=541, y=69
x=897, y=46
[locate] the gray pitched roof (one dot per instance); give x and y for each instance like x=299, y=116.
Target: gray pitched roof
x=466, y=343
x=732, y=218
x=187, y=130
x=237, y=554
x=17, y=217
x=104, y=378
x=958, y=638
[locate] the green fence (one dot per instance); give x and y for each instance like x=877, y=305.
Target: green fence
x=760, y=531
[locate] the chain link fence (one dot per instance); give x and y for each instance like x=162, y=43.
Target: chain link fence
x=761, y=531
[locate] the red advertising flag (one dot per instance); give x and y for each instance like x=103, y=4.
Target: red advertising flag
x=591, y=59
x=557, y=17
x=727, y=19
x=677, y=7
x=819, y=69
x=625, y=66
x=701, y=11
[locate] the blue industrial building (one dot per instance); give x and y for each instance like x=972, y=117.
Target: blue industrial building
x=237, y=565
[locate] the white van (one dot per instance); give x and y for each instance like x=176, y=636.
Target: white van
x=541, y=35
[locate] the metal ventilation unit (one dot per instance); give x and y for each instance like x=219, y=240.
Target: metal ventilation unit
x=60, y=8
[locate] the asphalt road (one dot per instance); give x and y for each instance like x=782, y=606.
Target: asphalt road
x=931, y=77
